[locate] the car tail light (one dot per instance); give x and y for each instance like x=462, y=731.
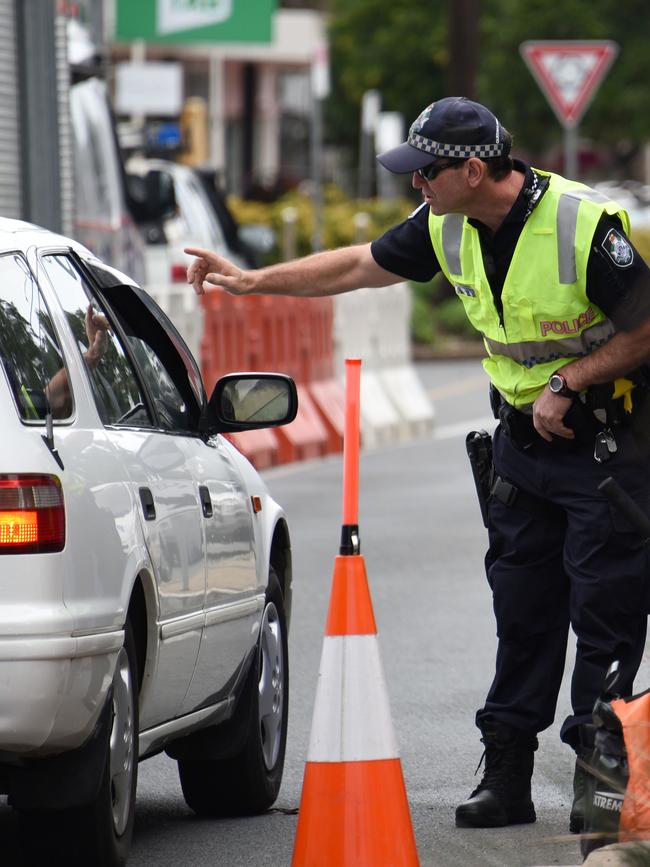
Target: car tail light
x=179, y=273
x=32, y=514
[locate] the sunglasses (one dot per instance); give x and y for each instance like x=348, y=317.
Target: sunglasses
x=430, y=172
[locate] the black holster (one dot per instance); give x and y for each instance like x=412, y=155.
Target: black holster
x=489, y=484
x=479, y=450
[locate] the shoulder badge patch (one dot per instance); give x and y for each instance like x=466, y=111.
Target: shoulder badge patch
x=618, y=249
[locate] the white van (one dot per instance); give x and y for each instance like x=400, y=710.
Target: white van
x=103, y=222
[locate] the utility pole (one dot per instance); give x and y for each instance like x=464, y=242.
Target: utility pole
x=463, y=17
x=320, y=88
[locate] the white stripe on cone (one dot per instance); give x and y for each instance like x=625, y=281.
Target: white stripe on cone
x=352, y=721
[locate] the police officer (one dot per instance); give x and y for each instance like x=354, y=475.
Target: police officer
x=546, y=272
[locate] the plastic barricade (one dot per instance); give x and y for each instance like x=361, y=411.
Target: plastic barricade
x=274, y=333
x=260, y=447
x=324, y=388
x=184, y=310
x=230, y=343
x=328, y=398
x=355, y=336
x=309, y=338
x=296, y=337
x=304, y=438
x=374, y=324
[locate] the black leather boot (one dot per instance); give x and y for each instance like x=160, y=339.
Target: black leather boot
x=584, y=752
x=503, y=795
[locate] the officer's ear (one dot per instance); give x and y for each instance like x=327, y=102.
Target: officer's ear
x=476, y=171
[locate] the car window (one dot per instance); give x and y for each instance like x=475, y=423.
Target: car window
x=118, y=394
x=31, y=354
x=168, y=370
x=195, y=209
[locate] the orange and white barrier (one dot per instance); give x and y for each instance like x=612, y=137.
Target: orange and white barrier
x=354, y=810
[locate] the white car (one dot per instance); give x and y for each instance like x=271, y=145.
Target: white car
x=146, y=570
x=175, y=207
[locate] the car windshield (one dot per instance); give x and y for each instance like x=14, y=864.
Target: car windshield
x=31, y=355
x=196, y=211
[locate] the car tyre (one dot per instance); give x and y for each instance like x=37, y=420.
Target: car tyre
x=98, y=833
x=249, y=781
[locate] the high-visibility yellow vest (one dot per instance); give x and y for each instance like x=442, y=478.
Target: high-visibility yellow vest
x=548, y=320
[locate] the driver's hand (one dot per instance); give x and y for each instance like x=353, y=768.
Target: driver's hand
x=97, y=333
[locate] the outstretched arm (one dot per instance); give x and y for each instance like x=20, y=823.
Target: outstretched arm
x=328, y=273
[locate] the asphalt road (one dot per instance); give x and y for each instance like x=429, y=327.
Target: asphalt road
x=423, y=543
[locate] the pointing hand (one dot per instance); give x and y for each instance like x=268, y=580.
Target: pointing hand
x=208, y=269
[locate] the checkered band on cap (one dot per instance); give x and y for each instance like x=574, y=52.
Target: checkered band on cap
x=441, y=149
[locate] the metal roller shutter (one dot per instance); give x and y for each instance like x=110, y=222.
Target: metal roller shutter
x=10, y=163
x=66, y=149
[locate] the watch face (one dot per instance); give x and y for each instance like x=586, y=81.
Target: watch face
x=556, y=383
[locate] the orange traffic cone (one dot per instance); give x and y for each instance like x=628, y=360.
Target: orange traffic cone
x=354, y=811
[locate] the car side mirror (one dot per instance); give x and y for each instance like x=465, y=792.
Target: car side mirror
x=249, y=401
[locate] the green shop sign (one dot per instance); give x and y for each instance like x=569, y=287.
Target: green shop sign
x=194, y=20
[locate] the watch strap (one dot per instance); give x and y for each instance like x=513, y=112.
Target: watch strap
x=564, y=391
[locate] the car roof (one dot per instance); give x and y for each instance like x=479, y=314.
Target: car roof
x=20, y=235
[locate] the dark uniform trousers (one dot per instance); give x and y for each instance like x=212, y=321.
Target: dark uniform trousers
x=581, y=566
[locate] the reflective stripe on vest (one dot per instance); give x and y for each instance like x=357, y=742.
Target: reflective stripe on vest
x=28, y=404
x=532, y=352
x=567, y=221
x=452, y=236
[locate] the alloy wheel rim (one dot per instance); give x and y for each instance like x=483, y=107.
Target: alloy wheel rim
x=122, y=744
x=271, y=686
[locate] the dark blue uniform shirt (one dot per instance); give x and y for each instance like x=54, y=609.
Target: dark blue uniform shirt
x=622, y=291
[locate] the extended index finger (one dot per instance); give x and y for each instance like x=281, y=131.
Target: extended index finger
x=200, y=252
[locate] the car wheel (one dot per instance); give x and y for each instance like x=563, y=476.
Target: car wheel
x=249, y=781
x=98, y=833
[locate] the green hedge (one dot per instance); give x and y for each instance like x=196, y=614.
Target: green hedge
x=338, y=218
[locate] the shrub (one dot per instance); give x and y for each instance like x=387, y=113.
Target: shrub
x=641, y=240
x=438, y=315
x=340, y=223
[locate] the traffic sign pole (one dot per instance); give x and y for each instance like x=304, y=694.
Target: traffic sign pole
x=569, y=72
x=571, y=152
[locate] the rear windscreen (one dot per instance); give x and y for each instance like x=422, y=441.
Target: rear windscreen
x=30, y=353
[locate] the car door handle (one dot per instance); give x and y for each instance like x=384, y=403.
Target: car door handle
x=148, y=506
x=206, y=502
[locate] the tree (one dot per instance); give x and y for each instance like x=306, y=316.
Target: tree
x=398, y=48
x=621, y=109
x=401, y=48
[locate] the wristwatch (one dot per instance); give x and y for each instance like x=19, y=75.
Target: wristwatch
x=558, y=385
